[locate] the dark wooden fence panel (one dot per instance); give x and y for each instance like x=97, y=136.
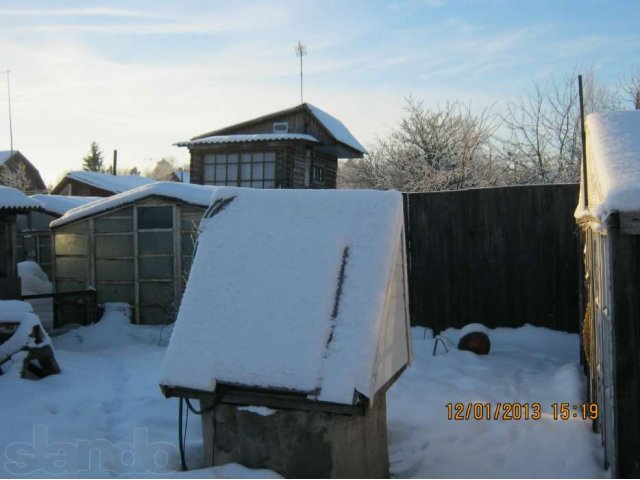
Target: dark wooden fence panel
x=499, y=256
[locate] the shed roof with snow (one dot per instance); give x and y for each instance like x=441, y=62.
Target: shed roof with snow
x=97, y=183
x=299, y=291
x=13, y=200
x=57, y=205
x=190, y=194
x=613, y=165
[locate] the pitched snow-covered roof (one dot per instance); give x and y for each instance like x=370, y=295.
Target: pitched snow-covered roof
x=336, y=128
x=60, y=204
x=242, y=138
x=184, y=192
x=613, y=164
x=288, y=290
x=111, y=183
x=13, y=199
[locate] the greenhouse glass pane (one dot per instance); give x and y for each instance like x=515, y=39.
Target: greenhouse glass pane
x=245, y=158
x=108, y=246
x=256, y=171
x=246, y=171
x=71, y=244
x=45, y=239
x=111, y=225
x=221, y=173
x=114, y=270
x=258, y=157
x=209, y=172
x=156, y=315
x=116, y=293
x=209, y=159
x=45, y=254
x=221, y=158
x=269, y=171
x=156, y=293
x=232, y=172
x=72, y=267
x=269, y=184
x=150, y=243
x=191, y=221
x=70, y=285
x=270, y=157
x=155, y=217
x=188, y=241
x=155, y=267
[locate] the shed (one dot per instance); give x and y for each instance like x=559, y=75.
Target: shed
x=20, y=172
x=294, y=148
x=297, y=302
x=134, y=247
x=609, y=217
x=97, y=184
x=12, y=203
x=34, y=235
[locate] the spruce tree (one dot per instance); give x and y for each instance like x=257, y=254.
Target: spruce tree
x=92, y=162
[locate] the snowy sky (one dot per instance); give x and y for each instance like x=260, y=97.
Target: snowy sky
x=139, y=76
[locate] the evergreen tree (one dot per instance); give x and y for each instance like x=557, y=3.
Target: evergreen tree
x=92, y=162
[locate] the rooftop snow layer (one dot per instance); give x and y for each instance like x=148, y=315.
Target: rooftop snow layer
x=242, y=138
x=613, y=163
x=336, y=128
x=258, y=307
x=60, y=204
x=111, y=183
x=184, y=192
x=11, y=198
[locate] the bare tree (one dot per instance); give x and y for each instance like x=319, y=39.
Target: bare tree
x=631, y=88
x=444, y=149
x=16, y=177
x=542, y=142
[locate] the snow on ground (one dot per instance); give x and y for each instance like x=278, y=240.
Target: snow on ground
x=35, y=282
x=525, y=365
x=104, y=415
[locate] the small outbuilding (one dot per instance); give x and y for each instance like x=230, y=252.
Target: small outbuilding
x=34, y=235
x=293, y=325
x=134, y=247
x=294, y=148
x=609, y=217
x=97, y=184
x=12, y=203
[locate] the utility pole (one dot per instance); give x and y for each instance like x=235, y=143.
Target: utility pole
x=301, y=51
x=9, y=98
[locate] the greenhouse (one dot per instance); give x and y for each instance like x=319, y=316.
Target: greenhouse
x=134, y=247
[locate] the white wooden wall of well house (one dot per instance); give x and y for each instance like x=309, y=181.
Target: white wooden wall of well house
x=394, y=344
x=139, y=254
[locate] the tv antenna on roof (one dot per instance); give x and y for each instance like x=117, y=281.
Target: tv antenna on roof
x=9, y=97
x=301, y=51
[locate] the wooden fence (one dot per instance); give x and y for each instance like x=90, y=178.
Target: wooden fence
x=498, y=256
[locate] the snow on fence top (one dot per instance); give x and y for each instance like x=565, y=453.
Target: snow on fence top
x=288, y=290
x=184, y=192
x=241, y=138
x=111, y=183
x=10, y=198
x=613, y=164
x=61, y=204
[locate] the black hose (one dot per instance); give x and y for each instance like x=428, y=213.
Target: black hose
x=181, y=437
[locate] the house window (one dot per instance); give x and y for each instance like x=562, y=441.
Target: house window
x=253, y=169
x=318, y=174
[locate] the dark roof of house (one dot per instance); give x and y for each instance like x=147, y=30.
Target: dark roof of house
x=334, y=127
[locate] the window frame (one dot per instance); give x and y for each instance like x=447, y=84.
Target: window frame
x=259, y=171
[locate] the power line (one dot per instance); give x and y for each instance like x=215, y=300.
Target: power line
x=301, y=51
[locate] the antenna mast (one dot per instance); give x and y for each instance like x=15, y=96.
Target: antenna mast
x=301, y=51
x=9, y=98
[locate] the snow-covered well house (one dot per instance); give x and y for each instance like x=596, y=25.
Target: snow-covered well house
x=293, y=325
x=294, y=148
x=97, y=184
x=18, y=172
x=134, y=247
x=609, y=216
x=34, y=235
x=12, y=203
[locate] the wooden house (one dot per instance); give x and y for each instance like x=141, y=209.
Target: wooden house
x=12, y=203
x=15, y=162
x=294, y=148
x=133, y=247
x=296, y=306
x=609, y=217
x=33, y=233
x=97, y=184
